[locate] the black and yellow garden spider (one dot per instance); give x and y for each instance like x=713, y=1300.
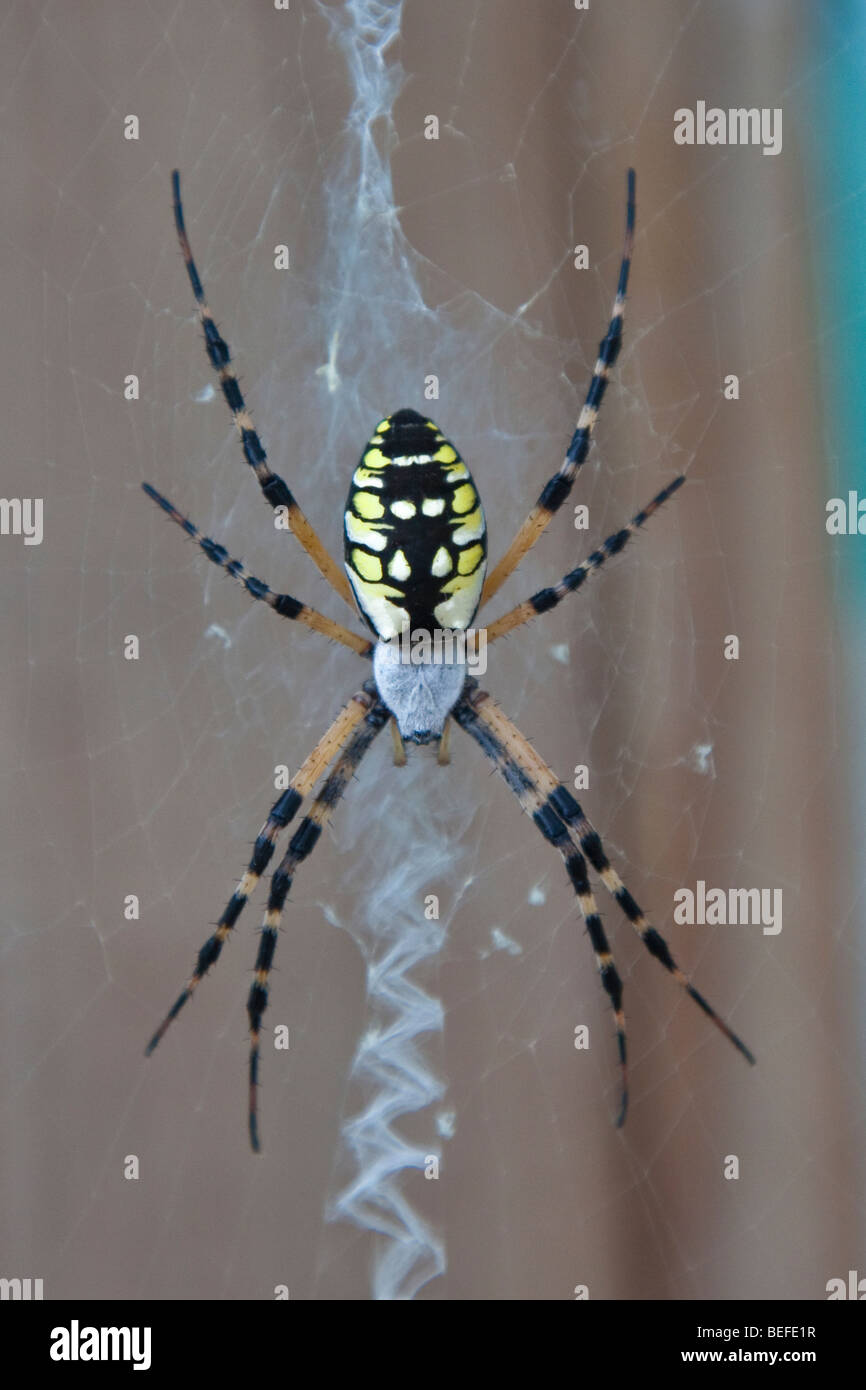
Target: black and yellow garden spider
x=416, y=561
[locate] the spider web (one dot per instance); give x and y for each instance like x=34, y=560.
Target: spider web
x=432, y=1130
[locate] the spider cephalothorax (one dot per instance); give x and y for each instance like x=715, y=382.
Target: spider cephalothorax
x=416, y=559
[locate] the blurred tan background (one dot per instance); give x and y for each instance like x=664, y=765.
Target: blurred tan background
x=151, y=777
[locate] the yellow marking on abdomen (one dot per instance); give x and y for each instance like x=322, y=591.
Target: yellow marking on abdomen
x=362, y=477
x=368, y=506
x=368, y=566
x=464, y=498
x=365, y=532
x=445, y=454
x=374, y=458
x=471, y=530
x=464, y=592
x=468, y=560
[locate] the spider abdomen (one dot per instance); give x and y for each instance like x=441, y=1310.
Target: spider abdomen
x=414, y=531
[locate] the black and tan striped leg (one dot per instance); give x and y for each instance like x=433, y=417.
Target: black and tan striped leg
x=283, y=604
x=545, y=599
x=469, y=714
x=282, y=811
x=558, y=488
x=272, y=485
x=301, y=845
x=560, y=802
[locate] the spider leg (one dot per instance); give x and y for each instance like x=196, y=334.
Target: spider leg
x=398, y=744
x=545, y=599
x=301, y=845
x=282, y=811
x=272, y=485
x=558, y=488
x=559, y=801
x=443, y=757
x=469, y=714
x=284, y=604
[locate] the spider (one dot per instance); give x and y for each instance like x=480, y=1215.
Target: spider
x=416, y=559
